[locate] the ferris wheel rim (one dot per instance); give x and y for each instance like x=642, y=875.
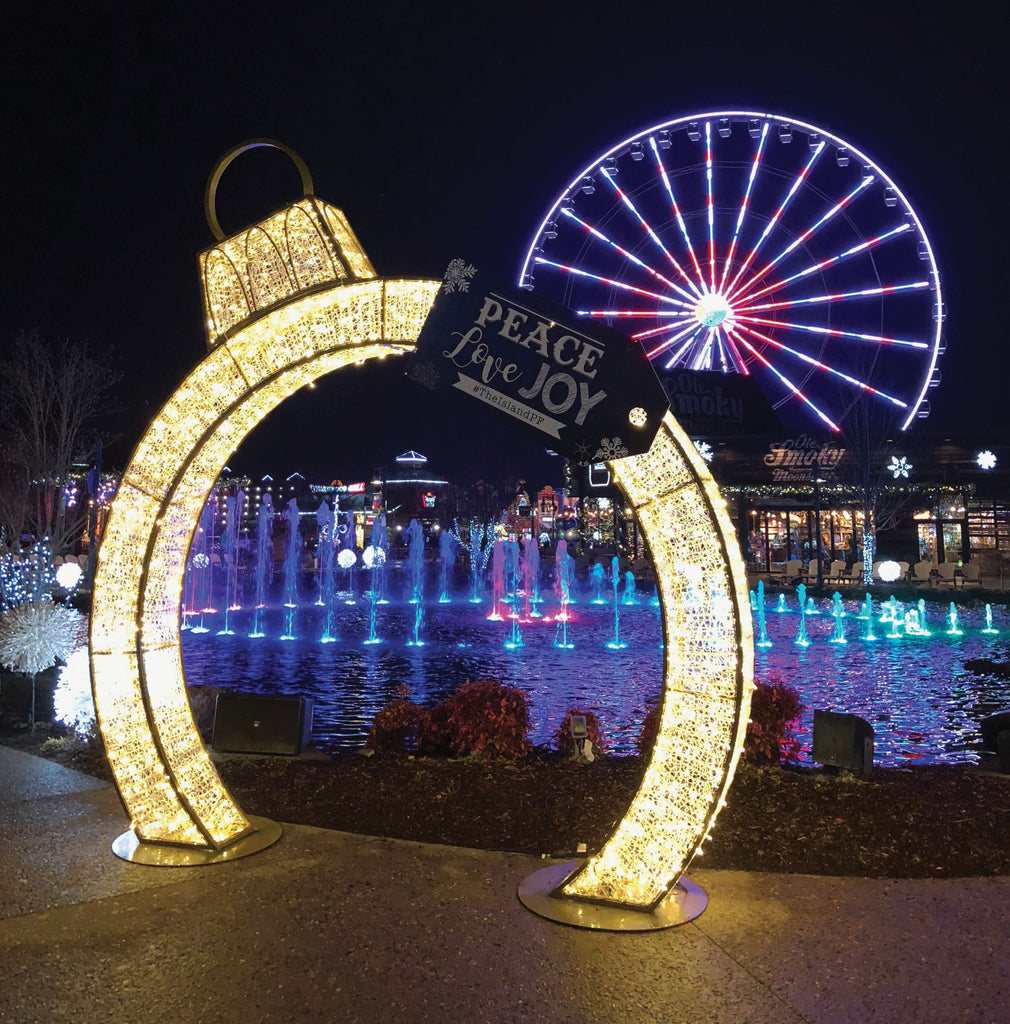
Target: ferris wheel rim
x=935, y=344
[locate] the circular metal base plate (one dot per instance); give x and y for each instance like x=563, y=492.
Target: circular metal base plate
x=684, y=903
x=162, y=855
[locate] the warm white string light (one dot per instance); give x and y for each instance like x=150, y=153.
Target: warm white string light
x=287, y=301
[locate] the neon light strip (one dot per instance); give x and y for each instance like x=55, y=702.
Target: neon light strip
x=835, y=297
x=743, y=205
x=692, y=322
x=800, y=178
x=833, y=332
x=675, y=358
x=785, y=380
x=630, y=256
x=740, y=362
x=710, y=204
x=631, y=312
x=862, y=385
x=676, y=209
x=690, y=329
x=648, y=230
x=799, y=240
x=607, y=280
x=813, y=268
x=703, y=359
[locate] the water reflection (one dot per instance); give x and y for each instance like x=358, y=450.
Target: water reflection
x=914, y=690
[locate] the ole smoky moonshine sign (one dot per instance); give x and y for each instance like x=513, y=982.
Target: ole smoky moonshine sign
x=585, y=390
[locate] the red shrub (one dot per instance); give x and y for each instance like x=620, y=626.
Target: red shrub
x=398, y=726
x=774, y=709
x=489, y=718
x=435, y=739
x=563, y=734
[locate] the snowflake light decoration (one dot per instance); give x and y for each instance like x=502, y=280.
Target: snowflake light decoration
x=986, y=459
x=457, y=276
x=704, y=449
x=899, y=467
x=610, y=449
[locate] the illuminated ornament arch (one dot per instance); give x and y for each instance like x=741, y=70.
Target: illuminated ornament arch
x=287, y=301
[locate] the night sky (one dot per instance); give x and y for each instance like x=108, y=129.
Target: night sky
x=445, y=132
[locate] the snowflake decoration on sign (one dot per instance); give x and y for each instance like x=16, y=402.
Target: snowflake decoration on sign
x=425, y=374
x=899, y=467
x=582, y=452
x=610, y=449
x=457, y=276
x=704, y=449
x=986, y=459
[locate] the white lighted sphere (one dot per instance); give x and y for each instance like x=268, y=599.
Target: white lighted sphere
x=373, y=557
x=889, y=571
x=346, y=558
x=68, y=575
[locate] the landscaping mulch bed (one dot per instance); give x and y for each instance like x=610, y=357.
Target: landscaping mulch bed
x=923, y=822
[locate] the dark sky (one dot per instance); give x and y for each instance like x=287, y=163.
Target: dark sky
x=445, y=131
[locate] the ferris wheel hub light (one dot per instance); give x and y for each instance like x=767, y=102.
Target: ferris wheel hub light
x=711, y=310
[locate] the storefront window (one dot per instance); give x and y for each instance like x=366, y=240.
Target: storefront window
x=927, y=542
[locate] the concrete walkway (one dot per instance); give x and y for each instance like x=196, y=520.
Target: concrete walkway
x=327, y=926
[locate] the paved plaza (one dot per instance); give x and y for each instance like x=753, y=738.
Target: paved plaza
x=328, y=926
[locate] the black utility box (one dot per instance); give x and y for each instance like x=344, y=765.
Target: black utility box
x=996, y=737
x=262, y=725
x=843, y=741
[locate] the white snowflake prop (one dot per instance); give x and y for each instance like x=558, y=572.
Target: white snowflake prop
x=899, y=467
x=704, y=449
x=457, y=276
x=37, y=634
x=986, y=459
x=610, y=449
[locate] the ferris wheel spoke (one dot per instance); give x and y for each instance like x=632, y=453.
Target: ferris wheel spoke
x=623, y=285
x=823, y=367
x=805, y=235
x=813, y=268
x=729, y=354
x=863, y=293
x=661, y=167
x=651, y=313
x=743, y=206
x=692, y=324
x=833, y=332
x=692, y=329
x=710, y=204
x=596, y=233
x=785, y=381
x=703, y=358
x=647, y=228
x=793, y=189
x=741, y=363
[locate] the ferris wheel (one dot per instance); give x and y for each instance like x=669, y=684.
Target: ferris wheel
x=741, y=242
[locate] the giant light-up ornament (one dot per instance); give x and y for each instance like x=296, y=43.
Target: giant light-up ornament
x=289, y=300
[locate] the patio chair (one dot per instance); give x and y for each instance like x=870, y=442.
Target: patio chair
x=947, y=570
x=837, y=573
x=856, y=574
x=921, y=571
x=971, y=574
x=794, y=571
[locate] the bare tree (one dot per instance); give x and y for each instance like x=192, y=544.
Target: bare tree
x=53, y=395
x=873, y=473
